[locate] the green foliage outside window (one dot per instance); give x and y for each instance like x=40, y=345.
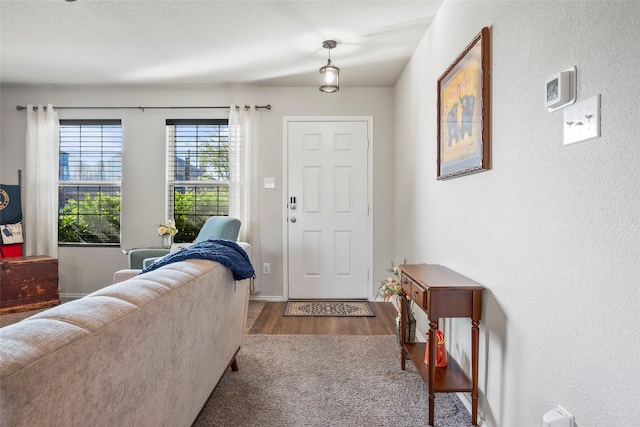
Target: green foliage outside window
x=92, y=219
x=96, y=219
x=194, y=205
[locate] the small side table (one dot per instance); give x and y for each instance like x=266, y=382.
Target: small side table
x=442, y=293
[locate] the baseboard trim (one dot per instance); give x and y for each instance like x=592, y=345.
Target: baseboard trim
x=267, y=298
x=65, y=296
x=465, y=398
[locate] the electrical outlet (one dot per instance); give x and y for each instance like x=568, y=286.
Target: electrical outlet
x=559, y=417
x=582, y=121
x=266, y=268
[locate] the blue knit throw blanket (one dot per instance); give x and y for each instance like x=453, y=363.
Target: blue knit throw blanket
x=226, y=252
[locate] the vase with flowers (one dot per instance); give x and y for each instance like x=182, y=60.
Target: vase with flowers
x=391, y=290
x=167, y=230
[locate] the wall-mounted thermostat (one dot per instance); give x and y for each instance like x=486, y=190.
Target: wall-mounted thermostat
x=560, y=90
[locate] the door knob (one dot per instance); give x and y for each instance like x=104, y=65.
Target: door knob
x=293, y=219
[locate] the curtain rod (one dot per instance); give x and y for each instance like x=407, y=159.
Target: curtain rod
x=246, y=107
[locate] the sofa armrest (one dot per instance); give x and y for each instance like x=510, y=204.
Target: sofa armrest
x=246, y=247
x=122, y=275
x=148, y=261
x=137, y=256
x=177, y=246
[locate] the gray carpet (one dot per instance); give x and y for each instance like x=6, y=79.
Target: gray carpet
x=328, y=381
x=320, y=381
x=8, y=319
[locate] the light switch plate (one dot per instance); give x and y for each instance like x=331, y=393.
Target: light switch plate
x=269, y=182
x=582, y=121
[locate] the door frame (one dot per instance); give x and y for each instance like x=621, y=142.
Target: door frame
x=285, y=193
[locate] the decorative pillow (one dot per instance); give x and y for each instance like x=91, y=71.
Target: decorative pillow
x=11, y=233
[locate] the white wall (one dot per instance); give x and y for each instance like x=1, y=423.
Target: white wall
x=552, y=231
x=85, y=270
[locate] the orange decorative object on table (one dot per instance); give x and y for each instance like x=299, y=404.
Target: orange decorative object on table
x=441, y=351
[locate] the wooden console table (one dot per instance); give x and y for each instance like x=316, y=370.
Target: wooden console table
x=442, y=293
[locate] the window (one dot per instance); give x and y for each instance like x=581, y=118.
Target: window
x=198, y=173
x=89, y=182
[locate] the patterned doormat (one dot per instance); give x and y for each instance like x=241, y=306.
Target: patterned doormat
x=330, y=308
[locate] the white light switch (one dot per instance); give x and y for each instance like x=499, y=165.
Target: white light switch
x=582, y=121
x=269, y=182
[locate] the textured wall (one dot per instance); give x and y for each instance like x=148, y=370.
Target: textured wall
x=552, y=231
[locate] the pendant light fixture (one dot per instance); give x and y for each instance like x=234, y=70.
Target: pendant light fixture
x=330, y=73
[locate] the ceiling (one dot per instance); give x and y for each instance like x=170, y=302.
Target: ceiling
x=207, y=42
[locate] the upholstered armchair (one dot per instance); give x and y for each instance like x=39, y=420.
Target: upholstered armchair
x=218, y=227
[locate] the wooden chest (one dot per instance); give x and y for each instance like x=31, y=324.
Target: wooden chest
x=28, y=283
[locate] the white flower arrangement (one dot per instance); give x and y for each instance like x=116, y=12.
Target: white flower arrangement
x=392, y=286
x=167, y=228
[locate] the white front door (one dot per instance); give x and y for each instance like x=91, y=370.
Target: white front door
x=327, y=209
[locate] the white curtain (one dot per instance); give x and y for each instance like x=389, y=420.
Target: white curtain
x=40, y=214
x=244, y=177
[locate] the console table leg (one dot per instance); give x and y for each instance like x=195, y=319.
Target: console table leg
x=475, y=338
x=433, y=328
x=403, y=332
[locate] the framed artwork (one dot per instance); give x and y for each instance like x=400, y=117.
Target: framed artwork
x=464, y=116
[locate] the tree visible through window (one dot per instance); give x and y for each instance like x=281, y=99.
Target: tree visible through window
x=89, y=181
x=198, y=173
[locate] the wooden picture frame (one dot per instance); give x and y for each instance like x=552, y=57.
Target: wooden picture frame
x=464, y=115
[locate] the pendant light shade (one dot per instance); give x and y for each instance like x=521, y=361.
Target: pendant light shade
x=330, y=73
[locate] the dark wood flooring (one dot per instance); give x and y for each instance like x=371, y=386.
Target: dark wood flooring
x=272, y=321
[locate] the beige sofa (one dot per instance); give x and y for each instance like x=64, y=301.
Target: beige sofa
x=147, y=351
